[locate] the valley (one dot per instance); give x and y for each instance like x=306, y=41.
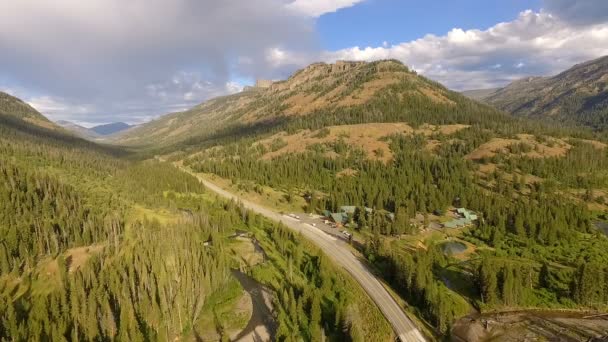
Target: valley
x=510, y=172
x=403, y=327
x=389, y=207
x=304, y=171
x=81, y=222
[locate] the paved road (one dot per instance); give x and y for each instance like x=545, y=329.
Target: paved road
x=338, y=251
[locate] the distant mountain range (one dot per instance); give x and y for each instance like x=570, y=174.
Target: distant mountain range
x=94, y=132
x=110, y=128
x=80, y=131
x=577, y=96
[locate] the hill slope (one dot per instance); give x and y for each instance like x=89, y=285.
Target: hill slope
x=11, y=106
x=479, y=94
x=318, y=95
x=110, y=128
x=381, y=140
x=80, y=131
x=578, y=95
x=77, y=220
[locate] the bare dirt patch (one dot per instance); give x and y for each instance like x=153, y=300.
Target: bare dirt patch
x=531, y=326
x=553, y=147
x=78, y=256
x=487, y=168
x=597, y=144
x=367, y=137
x=435, y=96
x=370, y=88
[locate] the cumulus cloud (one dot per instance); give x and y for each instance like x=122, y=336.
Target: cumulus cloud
x=316, y=8
x=580, y=12
x=104, y=52
x=533, y=44
x=96, y=61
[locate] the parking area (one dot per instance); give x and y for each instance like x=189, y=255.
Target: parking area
x=321, y=223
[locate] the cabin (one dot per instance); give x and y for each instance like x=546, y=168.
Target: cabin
x=339, y=218
x=464, y=218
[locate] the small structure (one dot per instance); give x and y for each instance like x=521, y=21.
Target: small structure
x=465, y=213
x=465, y=218
x=347, y=212
x=339, y=218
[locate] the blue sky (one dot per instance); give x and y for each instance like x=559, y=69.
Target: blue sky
x=371, y=23
x=100, y=61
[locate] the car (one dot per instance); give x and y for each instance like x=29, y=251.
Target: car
x=314, y=224
x=347, y=234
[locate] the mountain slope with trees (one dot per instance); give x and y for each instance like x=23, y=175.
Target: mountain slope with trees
x=314, y=97
x=80, y=131
x=13, y=107
x=577, y=96
x=97, y=244
x=111, y=128
x=417, y=150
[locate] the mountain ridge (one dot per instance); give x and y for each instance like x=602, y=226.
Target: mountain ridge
x=110, y=128
x=13, y=107
x=578, y=96
x=79, y=130
x=355, y=92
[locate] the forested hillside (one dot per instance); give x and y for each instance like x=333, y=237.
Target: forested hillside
x=16, y=108
x=96, y=244
x=407, y=157
x=316, y=96
x=577, y=96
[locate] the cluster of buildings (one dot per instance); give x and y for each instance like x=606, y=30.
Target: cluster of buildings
x=462, y=217
x=346, y=213
x=465, y=217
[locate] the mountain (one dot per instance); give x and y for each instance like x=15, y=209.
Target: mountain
x=95, y=132
x=577, y=96
x=320, y=94
x=80, y=131
x=393, y=156
x=84, y=228
x=110, y=128
x=13, y=107
x=479, y=94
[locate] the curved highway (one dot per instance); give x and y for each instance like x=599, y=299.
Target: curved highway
x=340, y=253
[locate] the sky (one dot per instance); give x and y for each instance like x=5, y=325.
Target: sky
x=99, y=61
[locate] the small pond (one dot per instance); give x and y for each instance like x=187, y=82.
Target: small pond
x=453, y=247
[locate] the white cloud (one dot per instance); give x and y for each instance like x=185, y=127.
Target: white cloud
x=316, y=8
x=112, y=60
x=57, y=108
x=578, y=12
x=539, y=43
x=105, y=53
